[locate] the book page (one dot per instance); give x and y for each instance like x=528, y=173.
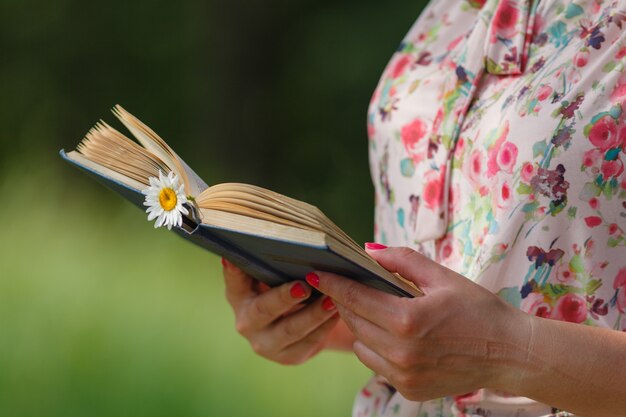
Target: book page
x=153, y=143
x=106, y=172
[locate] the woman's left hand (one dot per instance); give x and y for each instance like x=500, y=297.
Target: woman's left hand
x=457, y=338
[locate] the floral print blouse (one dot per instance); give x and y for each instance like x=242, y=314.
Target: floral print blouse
x=497, y=141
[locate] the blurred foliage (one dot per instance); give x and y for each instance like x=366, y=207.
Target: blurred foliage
x=96, y=323
x=100, y=317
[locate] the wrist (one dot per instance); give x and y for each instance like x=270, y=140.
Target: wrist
x=510, y=357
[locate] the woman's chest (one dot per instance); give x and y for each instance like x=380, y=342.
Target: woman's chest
x=536, y=157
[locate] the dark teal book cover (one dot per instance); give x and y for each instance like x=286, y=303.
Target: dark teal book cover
x=273, y=261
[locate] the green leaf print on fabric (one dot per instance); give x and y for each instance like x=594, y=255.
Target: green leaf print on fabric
x=511, y=295
x=539, y=148
x=573, y=10
x=407, y=167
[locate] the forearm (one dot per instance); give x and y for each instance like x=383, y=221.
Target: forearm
x=573, y=367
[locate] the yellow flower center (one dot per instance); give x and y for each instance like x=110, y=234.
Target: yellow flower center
x=167, y=199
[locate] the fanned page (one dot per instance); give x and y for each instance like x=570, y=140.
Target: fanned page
x=158, y=147
x=106, y=148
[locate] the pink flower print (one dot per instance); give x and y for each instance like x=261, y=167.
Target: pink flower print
x=621, y=53
x=619, y=284
x=507, y=155
x=603, y=133
x=455, y=42
x=528, y=172
x=564, y=274
x=504, y=20
x=400, y=66
x=593, y=221
x=445, y=248
x=581, y=58
x=592, y=157
x=492, y=163
x=459, y=147
x=618, y=95
x=503, y=194
x=611, y=169
x=573, y=76
x=543, y=92
x=570, y=307
x=433, y=190
x=453, y=196
x=412, y=134
x=613, y=228
x=536, y=305
x=593, y=203
x=500, y=249
x=476, y=167
x=539, y=24
x=437, y=121
x=597, y=268
x=558, y=73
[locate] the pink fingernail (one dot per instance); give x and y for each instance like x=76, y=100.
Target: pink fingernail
x=297, y=291
x=327, y=304
x=313, y=279
x=374, y=246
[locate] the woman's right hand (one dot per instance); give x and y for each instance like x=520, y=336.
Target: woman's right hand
x=274, y=321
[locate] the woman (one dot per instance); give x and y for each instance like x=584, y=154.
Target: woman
x=497, y=141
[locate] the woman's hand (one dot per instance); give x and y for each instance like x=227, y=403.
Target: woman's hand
x=451, y=341
x=459, y=337
x=276, y=323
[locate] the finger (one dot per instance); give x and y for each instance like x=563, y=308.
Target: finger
x=298, y=325
x=373, y=361
x=267, y=307
x=239, y=285
x=408, y=263
x=303, y=349
x=410, y=384
x=371, y=334
x=398, y=351
x=369, y=303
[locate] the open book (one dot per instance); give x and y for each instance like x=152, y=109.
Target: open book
x=270, y=236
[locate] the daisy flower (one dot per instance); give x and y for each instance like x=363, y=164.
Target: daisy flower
x=165, y=199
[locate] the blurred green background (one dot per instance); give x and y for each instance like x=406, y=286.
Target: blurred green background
x=101, y=315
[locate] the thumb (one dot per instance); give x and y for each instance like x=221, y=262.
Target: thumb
x=410, y=264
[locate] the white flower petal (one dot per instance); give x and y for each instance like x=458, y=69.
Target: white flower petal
x=173, y=217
